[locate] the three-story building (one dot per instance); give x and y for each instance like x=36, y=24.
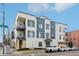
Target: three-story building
x=37, y=32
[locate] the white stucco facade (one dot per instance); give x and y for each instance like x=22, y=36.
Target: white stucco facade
x=34, y=41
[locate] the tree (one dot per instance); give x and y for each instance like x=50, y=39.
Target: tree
x=6, y=42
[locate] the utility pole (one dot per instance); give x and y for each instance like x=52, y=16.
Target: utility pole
x=3, y=25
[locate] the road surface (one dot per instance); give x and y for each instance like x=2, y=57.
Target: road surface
x=42, y=53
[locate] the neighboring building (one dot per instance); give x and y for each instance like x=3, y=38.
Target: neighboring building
x=1, y=45
x=73, y=37
x=37, y=32
x=61, y=36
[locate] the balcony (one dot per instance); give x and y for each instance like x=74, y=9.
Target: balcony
x=20, y=28
x=20, y=38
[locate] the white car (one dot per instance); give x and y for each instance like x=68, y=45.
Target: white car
x=65, y=49
x=74, y=48
x=52, y=49
x=62, y=49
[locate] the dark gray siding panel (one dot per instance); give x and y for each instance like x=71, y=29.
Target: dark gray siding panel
x=52, y=30
x=42, y=30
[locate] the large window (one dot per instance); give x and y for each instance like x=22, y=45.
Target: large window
x=31, y=23
x=40, y=34
x=40, y=44
x=53, y=36
x=47, y=26
x=40, y=26
x=60, y=29
x=60, y=37
x=47, y=35
x=31, y=34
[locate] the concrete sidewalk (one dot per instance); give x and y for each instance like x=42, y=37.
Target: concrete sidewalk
x=27, y=52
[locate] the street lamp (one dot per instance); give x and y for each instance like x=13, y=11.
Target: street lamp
x=3, y=24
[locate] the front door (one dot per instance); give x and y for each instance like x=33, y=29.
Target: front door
x=20, y=44
x=47, y=44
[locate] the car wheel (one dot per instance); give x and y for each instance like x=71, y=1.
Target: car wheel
x=64, y=50
x=46, y=51
x=50, y=50
x=58, y=50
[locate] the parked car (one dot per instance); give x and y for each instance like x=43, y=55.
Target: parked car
x=52, y=49
x=77, y=48
x=65, y=49
x=74, y=48
x=70, y=49
x=62, y=49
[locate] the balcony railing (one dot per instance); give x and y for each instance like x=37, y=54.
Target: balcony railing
x=20, y=28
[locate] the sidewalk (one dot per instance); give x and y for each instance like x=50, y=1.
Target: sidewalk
x=27, y=52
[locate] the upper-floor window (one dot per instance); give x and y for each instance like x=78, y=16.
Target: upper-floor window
x=40, y=26
x=40, y=34
x=60, y=29
x=47, y=26
x=31, y=23
x=60, y=37
x=74, y=39
x=31, y=34
x=47, y=35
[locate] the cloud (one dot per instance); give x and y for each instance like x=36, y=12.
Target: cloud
x=47, y=7
x=60, y=7
x=38, y=7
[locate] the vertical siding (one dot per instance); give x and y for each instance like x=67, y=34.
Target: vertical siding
x=52, y=29
x=40, y=21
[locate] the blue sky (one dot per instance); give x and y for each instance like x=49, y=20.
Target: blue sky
x=64, y=13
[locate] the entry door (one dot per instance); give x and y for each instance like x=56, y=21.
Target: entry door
x=47, y=44
x=20, y=44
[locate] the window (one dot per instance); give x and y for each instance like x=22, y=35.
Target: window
x=20, y=34
x=69, y=34
x=53, y=36
x=40, y=26
x=40, y=44
x=60, y=37
x=31, y=23
x=47, y=26
x=74, y=39
x=60, y=29
x=47, y=35
x=40, y=34
x=31, y=34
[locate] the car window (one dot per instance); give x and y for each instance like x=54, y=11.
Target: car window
x=54, y=46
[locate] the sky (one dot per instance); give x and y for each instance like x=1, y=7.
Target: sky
x=67, y=13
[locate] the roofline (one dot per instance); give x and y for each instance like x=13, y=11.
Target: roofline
x=73, y=31
x=41, y=18
x=62, y=23
x=27, y=13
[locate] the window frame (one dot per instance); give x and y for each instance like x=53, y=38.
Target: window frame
x=31, y=23
x=31, y=34
x=47, y=26
x=40, y=44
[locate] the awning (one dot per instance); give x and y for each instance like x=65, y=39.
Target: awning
x=48, y=40
x=62, y=41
